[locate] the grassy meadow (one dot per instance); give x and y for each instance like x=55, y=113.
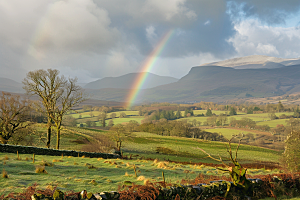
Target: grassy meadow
x=152, y=153
x=94, y=175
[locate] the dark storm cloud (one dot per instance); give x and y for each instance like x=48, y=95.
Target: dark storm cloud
x=187, y=18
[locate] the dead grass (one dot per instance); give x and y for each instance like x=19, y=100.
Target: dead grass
x=45, y=163
x=55, y=160
x=146, y=181
x=4, y=174
x=162, y=165
x=90, y=166
x=126, y=174
x=40, y=170
x=141, y=178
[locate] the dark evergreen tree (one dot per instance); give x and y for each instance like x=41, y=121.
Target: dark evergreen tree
x=208, y=113
x=232, y=111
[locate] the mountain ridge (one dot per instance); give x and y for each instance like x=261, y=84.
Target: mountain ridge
x=254, y=62
x=218, y=83
x=250, y=76
x=126, y=81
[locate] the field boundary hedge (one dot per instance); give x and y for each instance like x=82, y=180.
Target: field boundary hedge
x=52, y=152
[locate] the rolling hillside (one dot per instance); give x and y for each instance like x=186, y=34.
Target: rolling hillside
x=9, y=85
x=126, y=81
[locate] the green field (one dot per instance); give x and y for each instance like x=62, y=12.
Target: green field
x=87, y=114
x=274, y=123
x=217, y=112
x=228, y=132
x=125, y=120
x=260, y=119
x=186, y=149
x=82, y=117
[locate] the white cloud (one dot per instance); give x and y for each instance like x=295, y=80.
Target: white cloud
x=70, y=26
x=207, y=22
x=253, y=38
x=267, y=49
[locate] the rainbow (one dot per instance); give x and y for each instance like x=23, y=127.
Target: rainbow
x=148, y=64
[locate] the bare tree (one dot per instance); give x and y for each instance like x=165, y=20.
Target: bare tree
x=118, y=135
x=46, y=84
x=13, y=116
x=70, y=95
x=57, y=94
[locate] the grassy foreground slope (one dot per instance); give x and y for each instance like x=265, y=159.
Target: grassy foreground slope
x=95, y=175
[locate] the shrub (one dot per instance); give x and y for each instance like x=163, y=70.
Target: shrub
x=58, y=195
x=122, y=115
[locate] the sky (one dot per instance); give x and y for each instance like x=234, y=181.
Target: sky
x=93, y=39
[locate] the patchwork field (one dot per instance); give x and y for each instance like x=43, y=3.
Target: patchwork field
x=260, y=119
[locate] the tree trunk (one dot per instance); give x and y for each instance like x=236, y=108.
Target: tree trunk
x=48, y=132
x=103, y=122
x=58, y=136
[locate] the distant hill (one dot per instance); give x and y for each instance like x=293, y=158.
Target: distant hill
x=216, y=83
x=126, y=81
x=9, y=85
